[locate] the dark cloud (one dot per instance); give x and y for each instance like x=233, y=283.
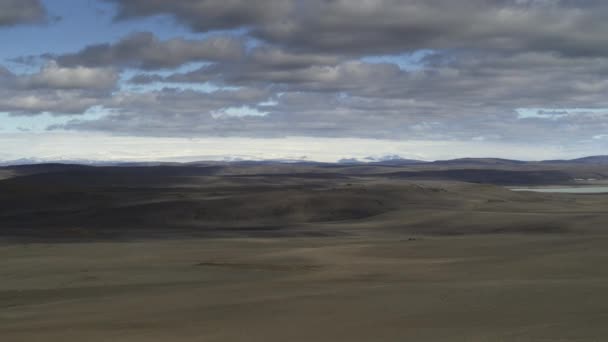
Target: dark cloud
x=171, y=112
x=262, y=65
x=55, y=89
x=298, y=68
x=388, y=26
x=463, y=96
x=15, y=12
x=46, y=100
x=144, y=51
x=208, y=15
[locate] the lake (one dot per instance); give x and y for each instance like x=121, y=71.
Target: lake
x=568, y=190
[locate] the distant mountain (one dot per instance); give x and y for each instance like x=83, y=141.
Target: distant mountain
x=351, y=161
x=276, y=161
x=399, y=162
x=388, y=160
x=39, y=161
x=393, y=160
x=488, y=176
x=480, y=161
x=22, y=161
x=592, y=160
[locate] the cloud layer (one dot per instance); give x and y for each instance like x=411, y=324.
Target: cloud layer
x=388, y=69
x=394, y=26
x=15, y=12
x=144, y=51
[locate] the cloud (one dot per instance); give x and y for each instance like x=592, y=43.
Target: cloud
x=53, y=146
x=460, y=96
x=173, y=112
x=302, y=68
x=358, y=27
x=60, y=102
x=145, y=51
x=295, y=73
x=207, y=15
x=52, y=76
x=16, y=12
x=55, y=89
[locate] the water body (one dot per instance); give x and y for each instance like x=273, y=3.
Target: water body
x=568, y=190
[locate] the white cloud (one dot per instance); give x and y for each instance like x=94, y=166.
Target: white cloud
x=98, y=146
x=52, y=76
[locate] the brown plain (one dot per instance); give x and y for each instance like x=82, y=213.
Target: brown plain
x=102, y=255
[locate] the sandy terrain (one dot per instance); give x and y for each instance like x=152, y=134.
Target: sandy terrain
x=473, y=288
x=190, y=255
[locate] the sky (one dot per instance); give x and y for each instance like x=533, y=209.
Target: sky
x=320, y=80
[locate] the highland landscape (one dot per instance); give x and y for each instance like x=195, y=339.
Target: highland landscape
x=268, y=251
x=303, y=170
